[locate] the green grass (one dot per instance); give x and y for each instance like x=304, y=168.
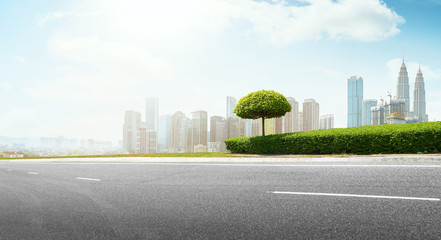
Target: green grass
x=185, y=155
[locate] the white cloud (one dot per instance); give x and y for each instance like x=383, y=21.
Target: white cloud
x=53, y=16
x=361, y=20
x=276, y=23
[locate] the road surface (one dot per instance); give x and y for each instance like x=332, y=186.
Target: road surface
x=297, y=200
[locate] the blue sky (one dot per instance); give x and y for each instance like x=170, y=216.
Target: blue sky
x=73, y=67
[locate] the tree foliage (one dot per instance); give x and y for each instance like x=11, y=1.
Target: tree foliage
x=262, y=104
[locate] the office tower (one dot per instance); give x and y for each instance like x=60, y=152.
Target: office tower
x=327, y=121
x=291, y=119
x=419, y=98
x=199, y=128
x=366, y=111
x=132, y=122
x=233, y=127
x=377, y=115
x=231, y=104
x=355, y=101
x=162, y=133
x=403, y=87
x=217, y=133
x=311, y=115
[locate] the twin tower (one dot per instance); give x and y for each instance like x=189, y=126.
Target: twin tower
x=367, y=112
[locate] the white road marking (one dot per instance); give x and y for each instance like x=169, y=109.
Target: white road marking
x=257, y=165
x=89, y=179
x=356, y=195
x=33, y=173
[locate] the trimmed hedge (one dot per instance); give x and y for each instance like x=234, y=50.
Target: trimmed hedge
x=392, y=138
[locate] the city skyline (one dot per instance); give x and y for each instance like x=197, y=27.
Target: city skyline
x=73, y=68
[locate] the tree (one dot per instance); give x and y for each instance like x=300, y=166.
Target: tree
x=262, y=104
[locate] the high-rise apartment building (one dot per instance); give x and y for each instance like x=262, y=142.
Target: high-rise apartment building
x=255, y=127
x=419, y=98
x=355, y=101
x=291, y=119
x=377, y=115
x=311, y=115
x=152, y=116
x=199, y=128
x=231, y=104
x=218, y=132
x=403, y=87
x=366, y=111
x=327, y=121
x=132, y=122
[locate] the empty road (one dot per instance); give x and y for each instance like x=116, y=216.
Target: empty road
x=280, y=200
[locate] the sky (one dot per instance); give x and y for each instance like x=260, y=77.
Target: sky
x=73, y=67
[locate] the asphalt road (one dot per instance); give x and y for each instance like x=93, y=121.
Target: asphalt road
x=220, y=201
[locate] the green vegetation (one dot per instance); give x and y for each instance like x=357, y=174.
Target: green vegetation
x=262, y=104
x=406, y=138
x=185, y=155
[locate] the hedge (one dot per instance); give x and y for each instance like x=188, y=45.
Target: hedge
x=392, y=138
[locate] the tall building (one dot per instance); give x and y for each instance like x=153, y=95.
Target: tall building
x=419, y=98
x=199, y=123
x=291, y=123
x=231, y=104
x=403, y=87
x=327, y=121
x=355, y=101
x=175, y=142
x=395, y=106
x=217, y=132
x=255, y=127
x=300, y=124
x=152, y=116
x=145, y=141
x=366, y=111
x=311, y=115
x=377, y=115
x=132, y=122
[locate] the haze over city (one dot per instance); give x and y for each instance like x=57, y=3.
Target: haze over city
x=73, y=68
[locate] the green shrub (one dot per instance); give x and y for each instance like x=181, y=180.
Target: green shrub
x=406, y=138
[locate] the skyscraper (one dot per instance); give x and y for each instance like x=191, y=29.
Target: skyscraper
x=152, y=114
x=403, y=87
x=199, y=123
x=355, y=99
x=366, y=111
x=231, y=104
x=132, y=122
x=419, y=98
x=218, y=131
x=292, y=118
x=311, y=115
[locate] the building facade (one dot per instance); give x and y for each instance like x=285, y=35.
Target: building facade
x=231, y=104
x=403, y=87
x=132, y=122
x=366, y=111
x=419, y=98
x=311, y=115
x=355, y=101
x=327, y=121
x=199, y=128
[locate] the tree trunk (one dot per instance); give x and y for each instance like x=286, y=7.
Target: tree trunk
x=263, y=126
